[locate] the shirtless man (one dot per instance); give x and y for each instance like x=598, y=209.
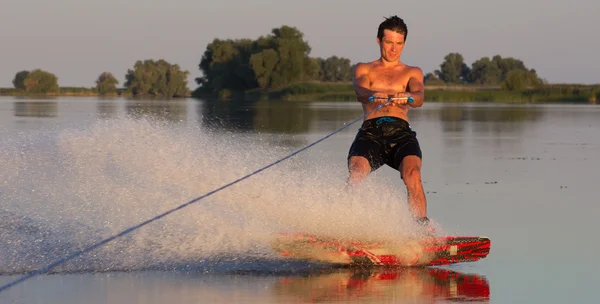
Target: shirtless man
x=385, y=136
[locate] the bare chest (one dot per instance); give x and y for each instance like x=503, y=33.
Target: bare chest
x=392, y=80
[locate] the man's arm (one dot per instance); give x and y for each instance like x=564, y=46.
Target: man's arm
x=362, y=83
x=416, y=87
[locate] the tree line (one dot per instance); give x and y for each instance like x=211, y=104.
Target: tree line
x=147, y=78
x=282, y=58
x=272, y=62
x=510, y=73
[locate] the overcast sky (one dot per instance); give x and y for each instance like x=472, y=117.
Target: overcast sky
x=79, y=39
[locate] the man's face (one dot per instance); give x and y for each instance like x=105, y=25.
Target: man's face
x=391, y=45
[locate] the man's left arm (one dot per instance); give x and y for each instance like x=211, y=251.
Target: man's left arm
x=416, y=88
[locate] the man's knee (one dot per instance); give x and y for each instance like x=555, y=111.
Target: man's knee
x=359, y=164
x=411, y=170
x=412, y=176
x=359, y=168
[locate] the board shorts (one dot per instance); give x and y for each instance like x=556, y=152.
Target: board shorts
x=385, y=140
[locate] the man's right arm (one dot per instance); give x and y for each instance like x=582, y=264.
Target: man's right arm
x=362, y=83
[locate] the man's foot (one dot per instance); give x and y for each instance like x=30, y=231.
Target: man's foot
x=424, y=222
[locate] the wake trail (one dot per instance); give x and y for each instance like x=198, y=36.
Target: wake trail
x=64, y=190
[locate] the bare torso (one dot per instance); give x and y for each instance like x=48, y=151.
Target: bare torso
x=389, y=80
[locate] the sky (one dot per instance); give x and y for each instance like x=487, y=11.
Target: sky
x=77, y=40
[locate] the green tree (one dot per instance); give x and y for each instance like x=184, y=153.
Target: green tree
x=106, y=84
x=485, y=71
x=453, y=69
x=508, y=64
x=312, y=69
x=225, y=65
x=291, y=49
x=519, y=79
x=337, y=69
x=320, y=75
x=156, y=78
x=19, y=80
x=431, y=79
x=41, y=82
x=263, y=64
x=271, y=61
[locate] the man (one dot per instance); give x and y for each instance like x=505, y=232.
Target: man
x=385, y=136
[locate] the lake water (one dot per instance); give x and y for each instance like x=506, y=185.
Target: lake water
x=77, y=170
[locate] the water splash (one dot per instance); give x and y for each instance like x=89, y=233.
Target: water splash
x=63, y=190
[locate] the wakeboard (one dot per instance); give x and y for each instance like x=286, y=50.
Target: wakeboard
x=429, y=251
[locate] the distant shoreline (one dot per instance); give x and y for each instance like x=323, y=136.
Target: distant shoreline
x=343, y=91
x=323, y=91
x=70, y=92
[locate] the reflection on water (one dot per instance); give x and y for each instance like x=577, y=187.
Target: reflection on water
x=36, y=108
x=107, y=108
x=274, y=116
x=302, y=117
x=286, y=117
x=172, y=110
x=457, y=118
x=409, y=285
x=227, y=115
x=283, y=117
x=418, y=285
x=261, y=116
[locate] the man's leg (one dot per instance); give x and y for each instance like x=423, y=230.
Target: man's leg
x=410, y=168
x=359, y=169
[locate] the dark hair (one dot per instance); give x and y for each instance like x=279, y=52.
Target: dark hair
x=393, y=23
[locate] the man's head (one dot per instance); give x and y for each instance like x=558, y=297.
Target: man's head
x=391, y=36
x=393, y=23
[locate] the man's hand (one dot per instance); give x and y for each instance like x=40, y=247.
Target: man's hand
x=379, y=98
x=400, y=98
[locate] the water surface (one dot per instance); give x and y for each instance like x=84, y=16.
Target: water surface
x=76, y=170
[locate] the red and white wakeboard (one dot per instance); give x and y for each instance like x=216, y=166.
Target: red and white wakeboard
x=430, y=251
